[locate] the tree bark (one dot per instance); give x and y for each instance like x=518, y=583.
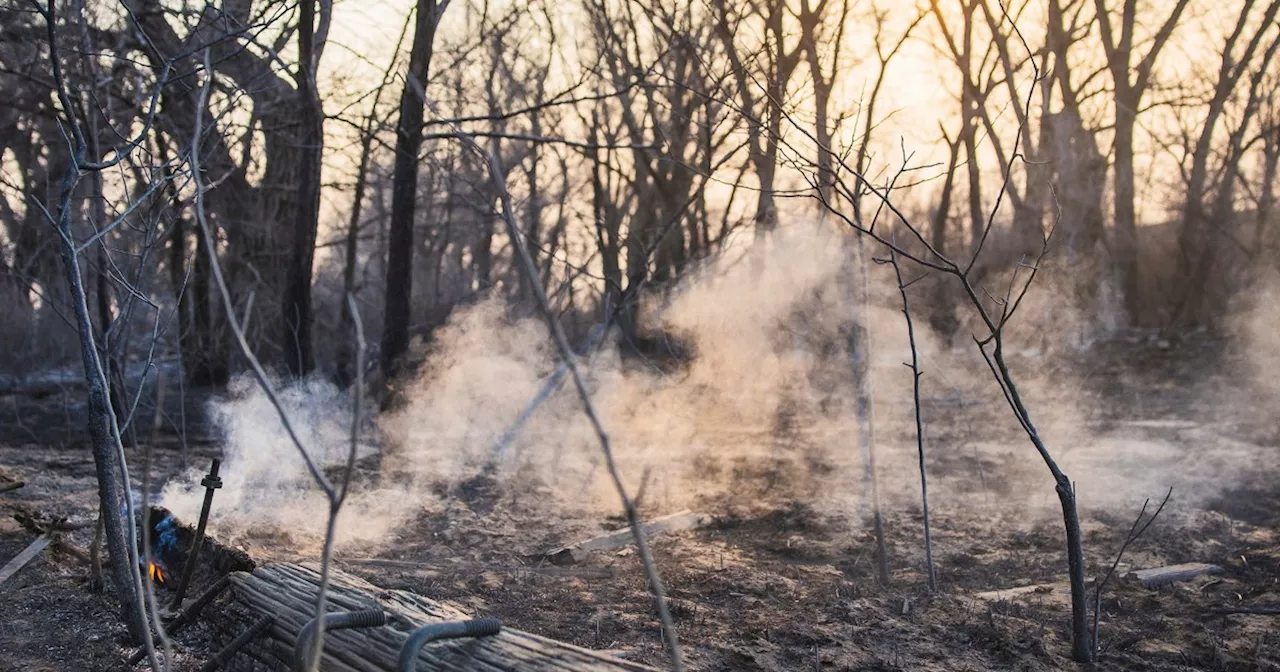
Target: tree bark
x=102, y=441
x=404, y=192
x=1126, y=226
x=299, y=357
x=1267, y=195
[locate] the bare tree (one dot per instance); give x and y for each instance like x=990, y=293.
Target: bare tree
x=770, y=67
x=299, y=357
x=1198, y=236
x=116, y=503
x=351, y=254
x=991, y=345
x=399, y=282
x=915, y=390
x=1130, y=84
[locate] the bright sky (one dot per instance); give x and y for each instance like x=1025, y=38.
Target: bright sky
x=920, y=91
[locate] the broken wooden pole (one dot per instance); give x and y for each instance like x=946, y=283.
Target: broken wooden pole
x=670, y=524
x=288, y=592
x=21, y=560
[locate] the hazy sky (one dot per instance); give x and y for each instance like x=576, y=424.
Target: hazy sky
x=919, y=93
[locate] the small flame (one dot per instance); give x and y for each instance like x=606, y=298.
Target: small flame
x=155, y=573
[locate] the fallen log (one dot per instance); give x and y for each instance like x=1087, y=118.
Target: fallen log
x=676, y=522
x=288, y=592
x=14, y=485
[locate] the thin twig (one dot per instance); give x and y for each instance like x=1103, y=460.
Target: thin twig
x=335, y=505
x=333, y=496
x=530, y=271
x=915, y=389
x=220, y=282
x=1134, y=533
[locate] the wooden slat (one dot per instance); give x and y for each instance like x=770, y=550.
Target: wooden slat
x=670, y=524
x=21, y=560
x=1159, y=576
x=287, y=592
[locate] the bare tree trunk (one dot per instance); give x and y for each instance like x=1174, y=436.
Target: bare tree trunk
x=351, y=256
x=533, y=210
x=969, y=131
x=1267, y=190
x=606, y=222
x=943, y=317
x=103, y=433
x=1126, y=227
x=298, y=354
x=919, y=414
x=399, y=286
x=1130, y=82
x=350, y=259
x=106, y=459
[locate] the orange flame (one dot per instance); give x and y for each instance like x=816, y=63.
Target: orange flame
x=155, y=573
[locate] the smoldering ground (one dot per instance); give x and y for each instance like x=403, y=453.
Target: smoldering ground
x=765, y=411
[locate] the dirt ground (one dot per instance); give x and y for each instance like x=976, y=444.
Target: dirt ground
x=782, y=579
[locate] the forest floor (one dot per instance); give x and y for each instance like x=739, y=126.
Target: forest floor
x=782, y=580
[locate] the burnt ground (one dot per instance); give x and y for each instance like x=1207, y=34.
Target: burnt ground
x=781, y=580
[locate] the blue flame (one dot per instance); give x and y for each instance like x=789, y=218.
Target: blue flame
x=167, y=535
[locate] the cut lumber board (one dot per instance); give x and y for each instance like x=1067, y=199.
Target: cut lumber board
x=1159, y=576
x=669, y=524
x=288, y=591
x=19, y=561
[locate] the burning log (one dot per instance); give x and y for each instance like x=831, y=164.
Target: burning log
x=173, y=544
x=288, y=592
